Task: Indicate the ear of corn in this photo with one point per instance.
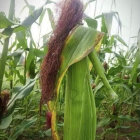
(82, 109)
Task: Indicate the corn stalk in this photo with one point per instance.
(6, 44)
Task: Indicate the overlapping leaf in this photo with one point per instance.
(4, 22)
(78, 46)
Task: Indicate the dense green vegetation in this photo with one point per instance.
(111, 71)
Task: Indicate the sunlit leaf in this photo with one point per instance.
(42, 16)
(51, 17)
(74, 51)
(91, 22)
(4, 22)
(120, 40)
(29, 20)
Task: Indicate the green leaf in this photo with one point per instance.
(120, 58)
(4, 22)
(51, 17)
(19, 28)
(32, 18)
(16, 53)
(30, 58)
(136, 63)
(80, 111)
(48, 133)
(126, 94)
(3, 36)
(127, 118)
(138, 112)
(29, 20)
(103, 26)
(91, 22)
(42, 16)
(75, 49)
(107, 19)
(103, 122)
(107, 50)
(100, 71)
(39, 53)
(21, 37)
(5, 122)
(131, 67)
(120, 40)
(114, 70)
(98, 87)
(19, 129)
(21, 93)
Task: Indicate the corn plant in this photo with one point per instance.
(9, 97)
(70, 58)
(78, 84)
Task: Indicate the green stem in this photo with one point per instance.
(3, 61)
(12, 10)
(97, 80)
(11, 79)
(5, 46)
(100, 71)
(25, 68)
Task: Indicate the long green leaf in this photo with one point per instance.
(51, 17)
(29, 20)
(91, 22)
(32, 18)
(100, 70)
(80, 111)
(120, 40)
(22, 92)
(21, 127)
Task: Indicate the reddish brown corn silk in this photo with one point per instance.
(71, 15)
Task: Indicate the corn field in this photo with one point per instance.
(76, 82)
